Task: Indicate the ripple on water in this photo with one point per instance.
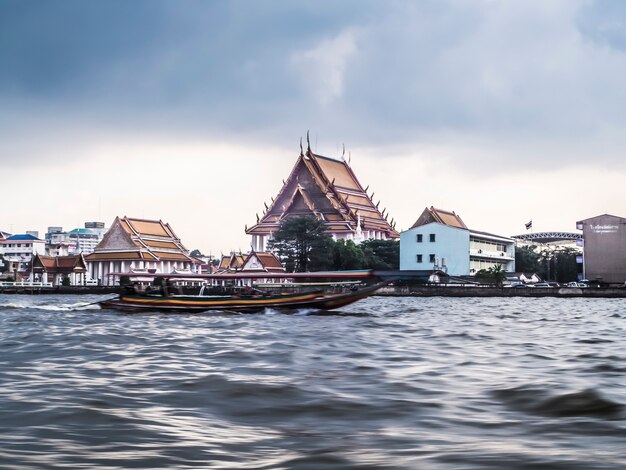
(385, 383)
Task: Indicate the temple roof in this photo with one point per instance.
(140, 239)
(59, 264)
(329, 190)
(440, 216)
(254, 261)
(232, 262)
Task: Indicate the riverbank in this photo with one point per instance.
(450, 291)
(389, 291)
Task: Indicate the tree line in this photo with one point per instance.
(550, 264)
(302, 246)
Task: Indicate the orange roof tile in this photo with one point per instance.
(440, 216)
(329, 189)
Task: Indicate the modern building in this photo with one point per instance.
(604, 248)
(3, 237)
(440, 240)
(4, 264)
(329, 190)
(78, 240)
(18, 250)
(138, 246)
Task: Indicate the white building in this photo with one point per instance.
(78, 240)
(19, 249)
(440, 239)
(138, 246)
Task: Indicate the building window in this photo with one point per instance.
(432, 258)
(419, 238)
(419, 258)
(432, 237)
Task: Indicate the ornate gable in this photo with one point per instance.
(117, 238)
(328, 189)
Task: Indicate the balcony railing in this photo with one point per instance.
(25, 284)
(501, 255)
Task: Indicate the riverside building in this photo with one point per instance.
(79, 240)
(138, 246)
(604, 248)
(18, 250)
(440, 240)
(329, 190)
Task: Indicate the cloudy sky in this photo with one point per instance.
(191, 111)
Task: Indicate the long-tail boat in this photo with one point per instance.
(253, 301)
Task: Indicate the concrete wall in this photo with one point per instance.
(605, 248)
(450, 243)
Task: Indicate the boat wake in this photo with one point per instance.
(48, 307)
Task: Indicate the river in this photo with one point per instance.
(387, 383)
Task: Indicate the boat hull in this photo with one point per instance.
(244, 304)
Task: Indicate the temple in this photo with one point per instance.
(329, 190)
(138, 245)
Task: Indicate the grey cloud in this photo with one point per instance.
(370, 73)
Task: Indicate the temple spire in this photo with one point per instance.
(308, 142)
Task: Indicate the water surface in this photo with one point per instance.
(387, 383)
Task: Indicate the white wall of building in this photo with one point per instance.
(450, 245)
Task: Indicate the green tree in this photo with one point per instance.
(562, 265)
(196, 253)
(4, 265)
(302, 245)
(381, 254)
(494, 275)
(528, 260)
(65, 281)
(347, 255)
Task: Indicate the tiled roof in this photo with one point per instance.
(59, 264)
(328, 189)
(147, 227)
(237, 262)
(23, 237)
(429, 215)
(137, 239)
